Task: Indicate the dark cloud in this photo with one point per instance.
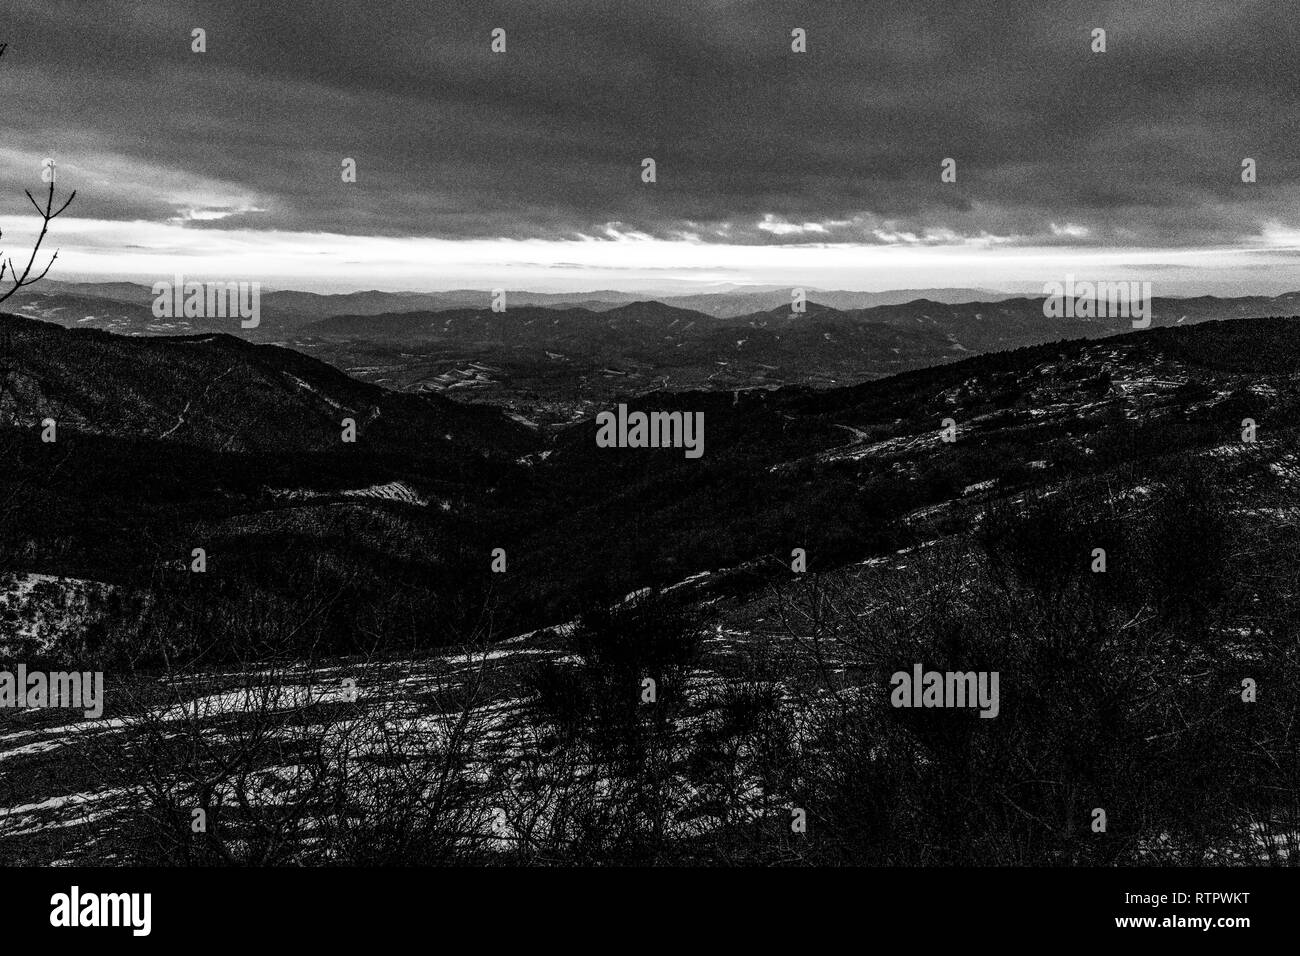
(1055, 144)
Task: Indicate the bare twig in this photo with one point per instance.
(26, 278)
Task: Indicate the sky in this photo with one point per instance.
(523, 168)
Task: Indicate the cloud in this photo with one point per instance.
(754, 144)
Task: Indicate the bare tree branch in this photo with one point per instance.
(21, 281)
(49, 212)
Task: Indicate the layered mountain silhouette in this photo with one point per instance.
(197, 502)
(163, 432)
(224, 394)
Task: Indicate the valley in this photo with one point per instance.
(349, 634)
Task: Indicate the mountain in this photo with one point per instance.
(227, 424)
(666, 343)
(196, 513)
(168, 429)
(551, 365)
(732, 301)
(221, 393)
(739, 303)
(158, 436)
(863, 470)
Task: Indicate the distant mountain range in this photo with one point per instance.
(554, 363)
(551, 357)
(127, 308)
(288, 309)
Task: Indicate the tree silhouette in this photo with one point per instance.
(7, 269)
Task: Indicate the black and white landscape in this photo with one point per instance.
(728, 433)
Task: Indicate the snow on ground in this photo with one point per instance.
(311, 389)
(389, 491)
(37, 611)
(522, 420)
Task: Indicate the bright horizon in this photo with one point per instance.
(103, 250)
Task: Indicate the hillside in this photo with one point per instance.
(551, 359)
(223, 394)
(555, 365)
(166, 444)
(523, 689)
(175, 431)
